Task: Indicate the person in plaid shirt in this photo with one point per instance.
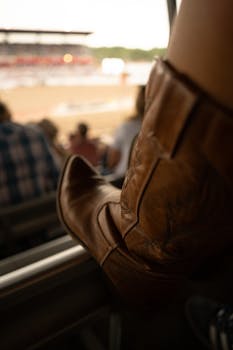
(27, 167)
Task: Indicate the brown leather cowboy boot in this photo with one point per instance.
(173, 218)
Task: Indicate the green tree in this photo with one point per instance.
(126, 54)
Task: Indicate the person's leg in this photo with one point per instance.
(201, 46)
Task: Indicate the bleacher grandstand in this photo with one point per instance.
(42, 53)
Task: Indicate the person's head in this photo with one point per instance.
(5, 113)
(49, 128)
(140, 100)
(82, 129)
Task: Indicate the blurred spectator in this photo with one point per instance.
(27, 166)
(50, 131)
(211, 322)
(81, 144)
(119, 151)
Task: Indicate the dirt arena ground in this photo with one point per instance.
(30, 104)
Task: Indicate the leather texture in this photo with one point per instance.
(169, 231)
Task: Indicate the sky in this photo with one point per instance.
(129, 23)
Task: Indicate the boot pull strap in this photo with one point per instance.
(169, 104)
